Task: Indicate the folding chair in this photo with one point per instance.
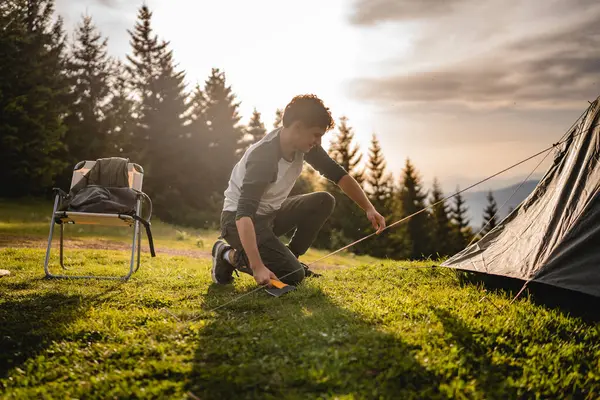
(135, 177)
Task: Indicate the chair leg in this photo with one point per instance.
(62, 232)
(139, 246)
(133, 245)
(52, 223)
(137, 228)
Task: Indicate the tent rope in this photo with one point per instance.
(437, 203)
(476, 236)
(522, 183)
(563, 140)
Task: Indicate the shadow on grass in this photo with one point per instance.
(569, 302)
(30, 324)
(301, 345)
(476, 361)
(497, 367)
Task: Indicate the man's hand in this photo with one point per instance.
(263, 275)
(350, 186)
(376, 219)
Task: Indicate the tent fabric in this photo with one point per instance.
(553, 236)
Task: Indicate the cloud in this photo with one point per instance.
(116, 4)
(369, 12)
(549, 82)
(85, 4)
(536, 58)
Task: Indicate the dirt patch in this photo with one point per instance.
(34, 242)
(94, 244)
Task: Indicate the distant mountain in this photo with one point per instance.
(477, 201)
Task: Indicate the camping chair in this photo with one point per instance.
(131, 181)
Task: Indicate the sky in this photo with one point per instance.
(463, 88)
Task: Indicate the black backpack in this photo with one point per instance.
(105, 189)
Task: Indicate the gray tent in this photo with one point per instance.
(553, 236)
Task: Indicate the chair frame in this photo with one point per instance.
(67, 217)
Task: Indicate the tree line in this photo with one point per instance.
(63, 101)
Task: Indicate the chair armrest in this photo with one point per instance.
(60, 192)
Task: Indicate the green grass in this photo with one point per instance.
(30, 219)
(375, 330)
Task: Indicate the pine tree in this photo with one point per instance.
(490, 214)
(8, 16)
(412, 199)
(162, 132)
(90, 70)
(380, 184)
(33, 90)
(278, 119)
(202, 203)
(400, 241)
(224, 134)
(380, 191)
(345, 152)
(346, 222)
(143, 69)
(441, 230)
(199, 142)
(143, 66)
(169, 133)
(462, 232)
(198, 120)
(254, 132)
(120, 111)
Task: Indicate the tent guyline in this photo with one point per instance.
(553, 146)
(507, 200)
(525, 180)
(561, 141)
(439, 202)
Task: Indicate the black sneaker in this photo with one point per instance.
(222, 271)
(308, 273)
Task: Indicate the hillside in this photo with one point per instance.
(477, 201)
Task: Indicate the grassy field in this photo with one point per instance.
(26, 223)
(366, 329)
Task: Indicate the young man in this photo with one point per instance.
(257, 209)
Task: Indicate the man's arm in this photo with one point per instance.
(352, 189)
(245, 228)
(331, 170)
(318, 158)
(261, 273)
(259, 170)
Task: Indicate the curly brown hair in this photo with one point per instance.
(310, 110)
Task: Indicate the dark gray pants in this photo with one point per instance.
(305, 214)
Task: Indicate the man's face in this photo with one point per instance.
(305, 138)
